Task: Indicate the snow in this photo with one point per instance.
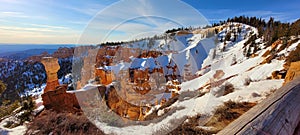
(292, 47)
(245, 93)
(116, 68)
(193, 106)
(20, 130)
(36, 91)
(143, 63)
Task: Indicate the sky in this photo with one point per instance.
(96, 21)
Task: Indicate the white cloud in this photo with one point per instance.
(87, 11)
(49, 26)
(39, 28)
(38, 34)
(32, 35)
(5, 14)
(133, 17)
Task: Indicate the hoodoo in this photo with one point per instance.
(55, 96)
(51, 67)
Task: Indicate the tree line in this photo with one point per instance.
(271, 30)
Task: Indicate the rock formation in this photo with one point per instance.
(55, 96)
(61, 101)
(293, 72)
(136, 82)
(105, 76)
(51, 67)
(122, 107)
(183, 32)
(278, 74)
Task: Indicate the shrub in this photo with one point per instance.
(228, 88)
(294, 55)
(227, 113)
(7, 108)
(62, 123)
(222, 117)
(190, 128)
(247, 81)
(228, 36)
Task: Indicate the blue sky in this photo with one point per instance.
(77, 21)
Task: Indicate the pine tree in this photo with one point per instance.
(228, 36)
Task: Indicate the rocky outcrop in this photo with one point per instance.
(278, 74)
(51, 67)
(183, 32)
(104, 77)
(61, 101)
(293, 72)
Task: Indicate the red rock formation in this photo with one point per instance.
(61, 101)
(126, 104)
(105, 77)
(55, 96)
(182, 33)
(123, 108)
(278, 74)
(51, 67)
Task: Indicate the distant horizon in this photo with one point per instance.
(11, 48)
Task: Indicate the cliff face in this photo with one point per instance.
(51, 67)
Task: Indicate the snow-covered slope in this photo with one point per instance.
(217, 63)
(189, 49)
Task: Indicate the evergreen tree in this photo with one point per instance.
(228, 36)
